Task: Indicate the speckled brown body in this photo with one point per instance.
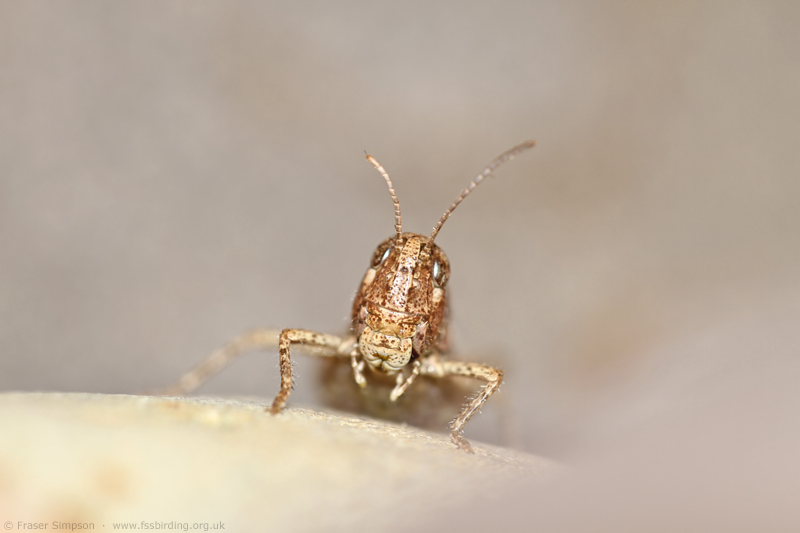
(399, 320)
(400, 298)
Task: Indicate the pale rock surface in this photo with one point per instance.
(105, 459)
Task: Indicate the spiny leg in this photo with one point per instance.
(492, 376)
(214, 363)
(340, 347)
(402, 384)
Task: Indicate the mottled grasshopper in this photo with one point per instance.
(399, 320)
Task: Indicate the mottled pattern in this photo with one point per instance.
(403, 292)
(399, 320)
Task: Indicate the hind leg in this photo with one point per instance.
(219, 359)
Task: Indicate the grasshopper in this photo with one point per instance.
(399, 321)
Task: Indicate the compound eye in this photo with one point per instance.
(440, 274)
(378, 258)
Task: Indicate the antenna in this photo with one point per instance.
(397, 225)
(499, 160)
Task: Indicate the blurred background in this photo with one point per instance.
(175, 173)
